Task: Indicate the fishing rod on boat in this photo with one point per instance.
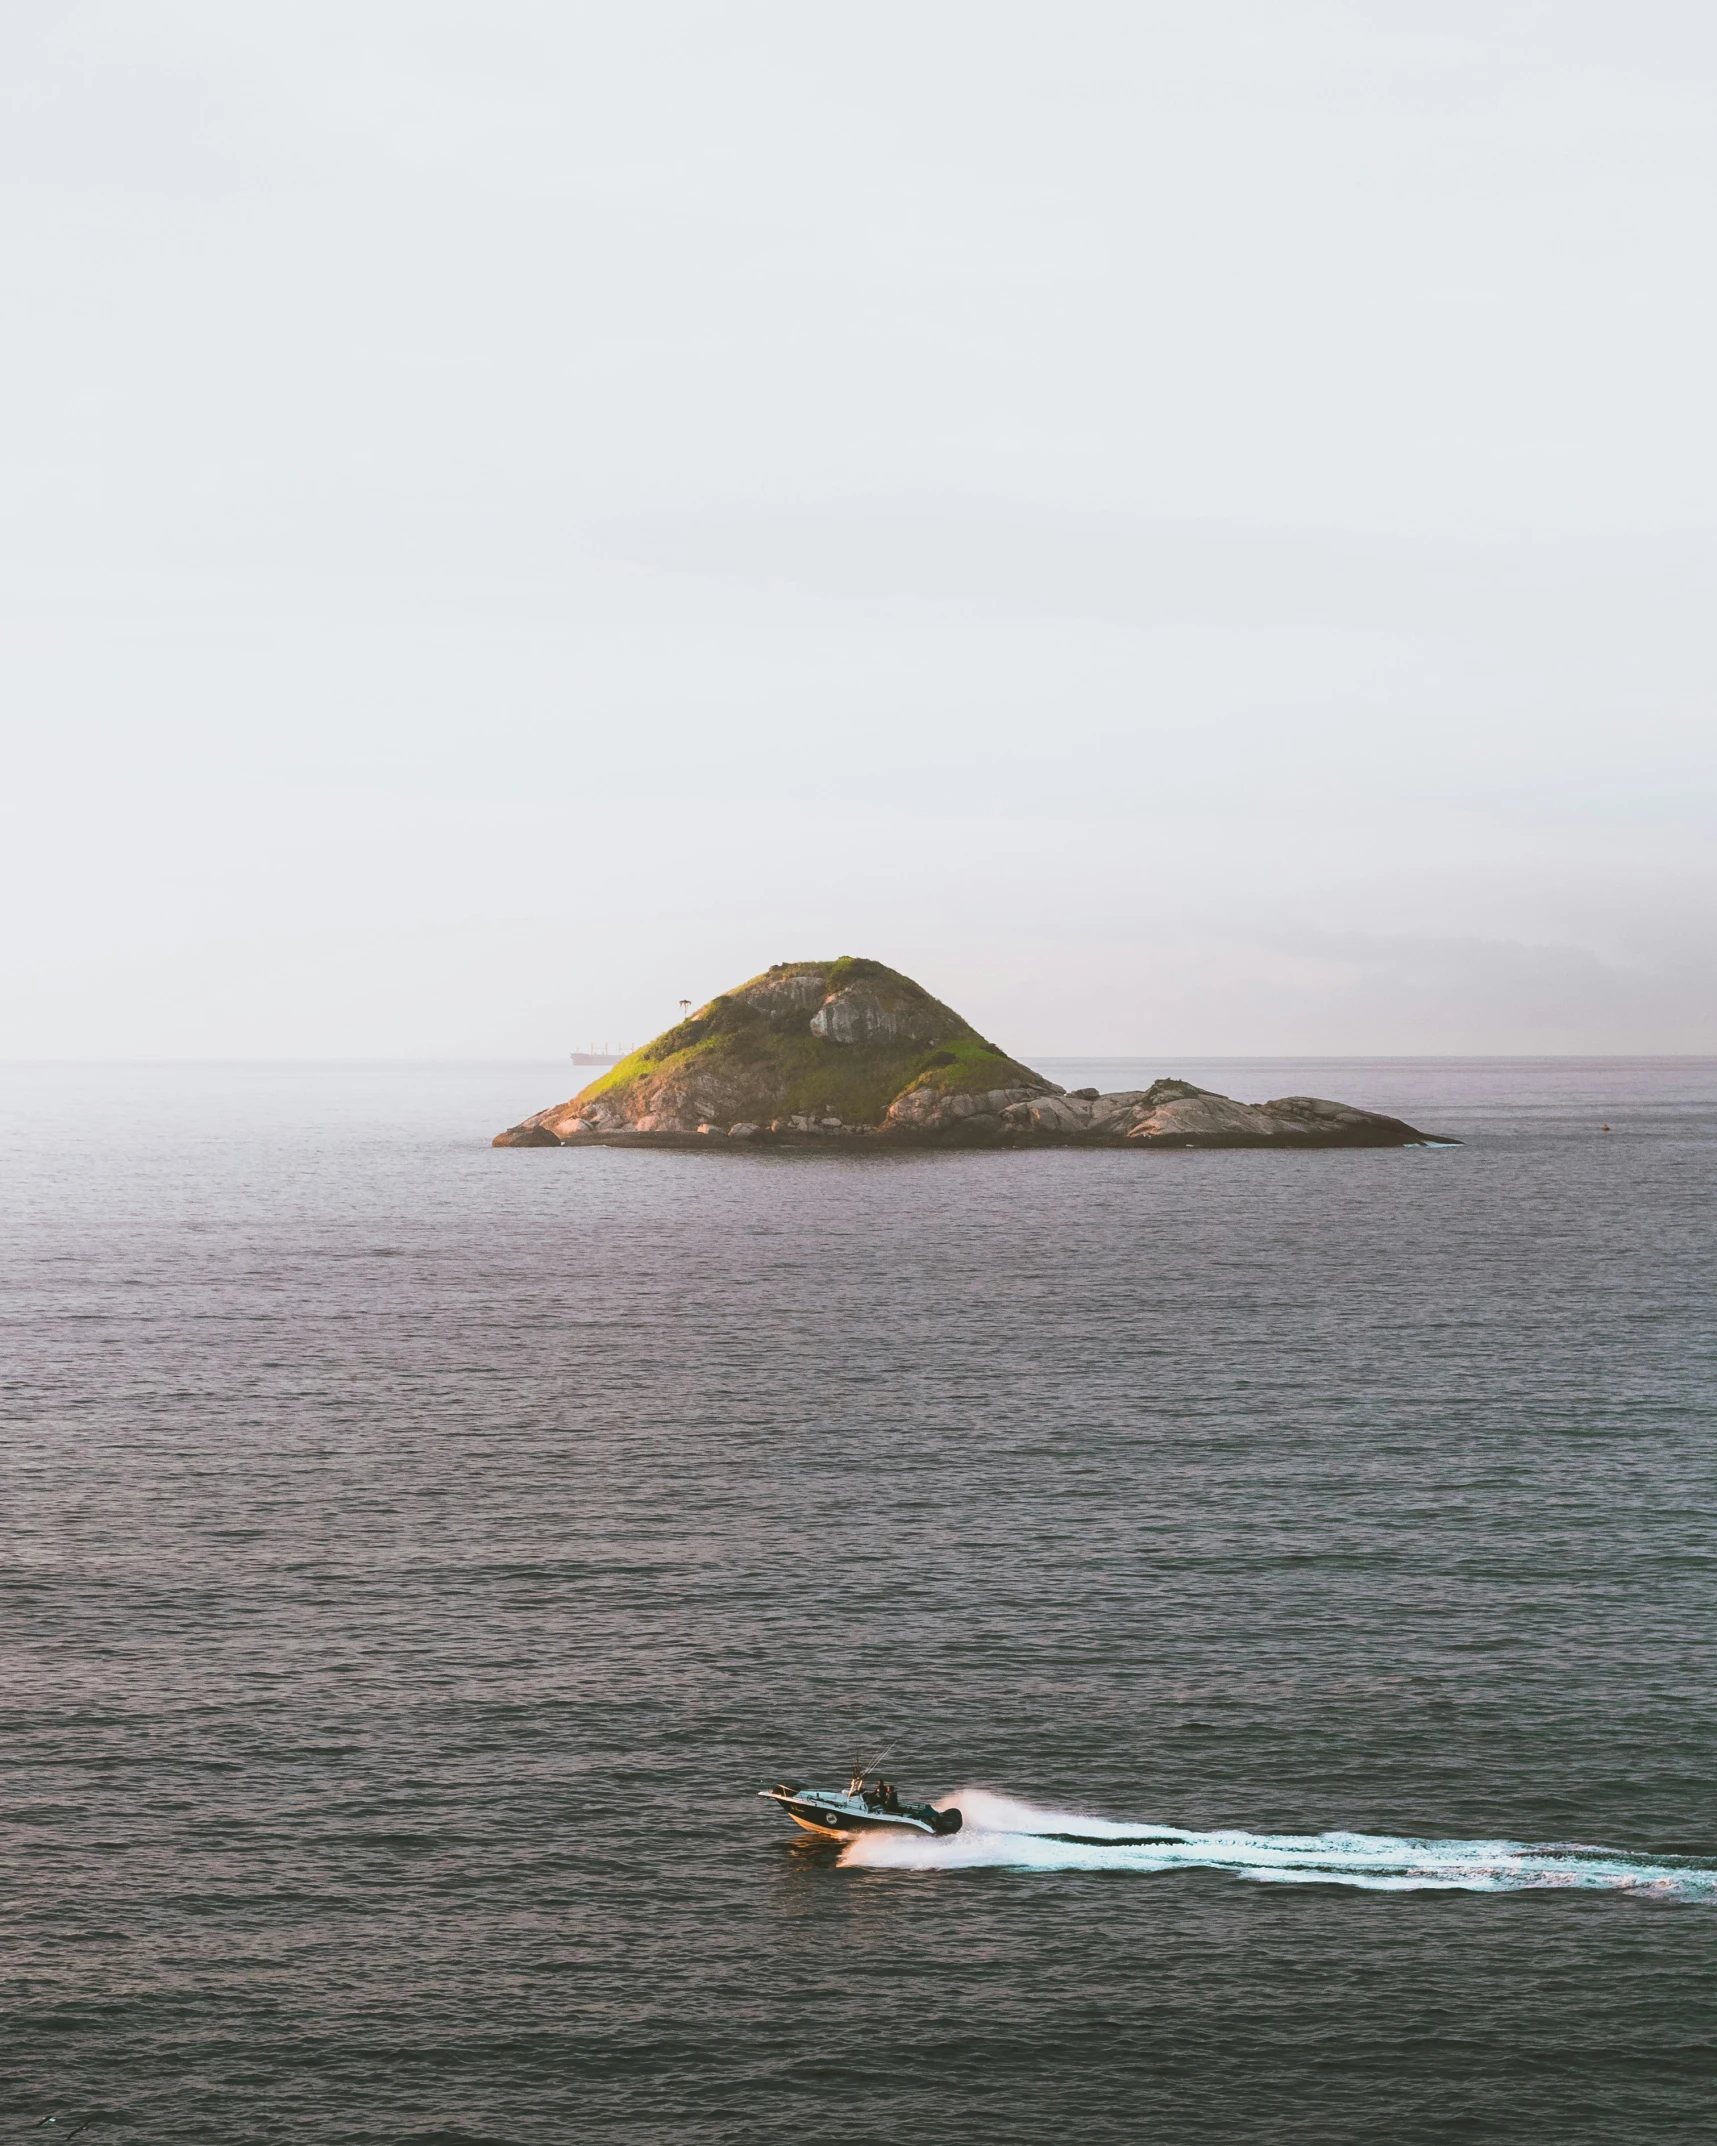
(863, 1767)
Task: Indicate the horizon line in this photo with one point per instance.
(1057, 1057)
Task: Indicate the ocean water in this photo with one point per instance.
(416, 1555)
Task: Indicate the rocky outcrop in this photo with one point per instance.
(1173, 1113)
(927, 1110)
(853, 1053)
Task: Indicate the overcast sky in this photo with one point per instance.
(1186, 528)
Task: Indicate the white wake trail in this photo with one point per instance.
(1001, 1832)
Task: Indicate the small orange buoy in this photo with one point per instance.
(1603, 1128)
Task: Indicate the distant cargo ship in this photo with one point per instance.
(597, 1058)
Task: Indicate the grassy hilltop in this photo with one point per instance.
(819, 1041)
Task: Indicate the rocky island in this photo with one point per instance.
(850, 1053)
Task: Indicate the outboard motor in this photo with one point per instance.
(947, 1821)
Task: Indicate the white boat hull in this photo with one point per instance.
(834, 1814)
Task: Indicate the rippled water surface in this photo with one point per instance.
(416, 1554)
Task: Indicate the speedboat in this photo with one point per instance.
(839, 1814)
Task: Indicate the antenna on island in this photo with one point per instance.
(685, 1007)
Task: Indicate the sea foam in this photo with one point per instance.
(1002, 1832)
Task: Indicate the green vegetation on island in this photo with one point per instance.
(757, 1045)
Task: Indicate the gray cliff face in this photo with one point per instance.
(862, 1015)
(797, 994)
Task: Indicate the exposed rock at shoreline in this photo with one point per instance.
(850, 1053)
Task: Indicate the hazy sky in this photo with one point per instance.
(1184, 527)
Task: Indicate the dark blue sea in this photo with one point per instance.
(417, 1555)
